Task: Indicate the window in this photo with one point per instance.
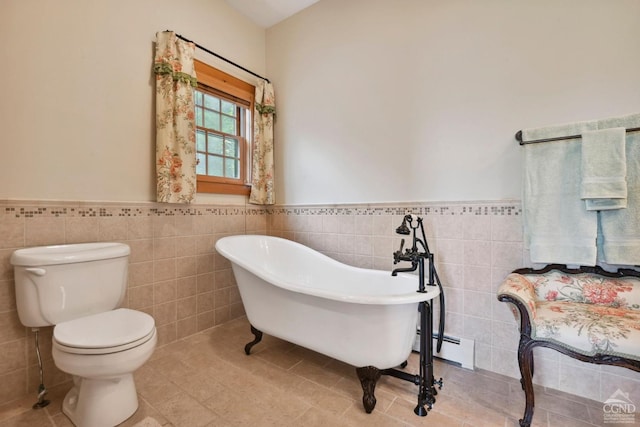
(223, 131)
(221, 135)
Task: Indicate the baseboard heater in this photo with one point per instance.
(456, 350)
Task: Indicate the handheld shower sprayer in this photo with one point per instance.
(403, 229)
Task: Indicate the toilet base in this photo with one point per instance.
(101, 402)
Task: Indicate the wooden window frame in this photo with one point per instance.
(225, 83)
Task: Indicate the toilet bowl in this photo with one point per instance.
(78, 289)
(101, 352)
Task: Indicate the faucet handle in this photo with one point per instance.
(397, 254)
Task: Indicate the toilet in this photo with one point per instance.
(77, 289)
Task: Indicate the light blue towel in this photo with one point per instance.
(604, 169)
(557, 131)
(621, 228)
(558, 228)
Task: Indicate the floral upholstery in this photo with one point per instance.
(585, 312)
(617, 292)
(522, 289)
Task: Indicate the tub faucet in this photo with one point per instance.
(417, 258)
(412, 255)
(409, 255)
(419, 254)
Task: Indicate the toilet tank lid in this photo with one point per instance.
(67, 254)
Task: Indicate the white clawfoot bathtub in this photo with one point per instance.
(358, 316)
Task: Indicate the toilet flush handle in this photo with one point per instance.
(36, 271)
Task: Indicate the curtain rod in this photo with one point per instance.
(222, 57)
(559, 138)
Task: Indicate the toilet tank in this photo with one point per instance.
(58, 283)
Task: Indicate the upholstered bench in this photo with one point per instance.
(588, 314)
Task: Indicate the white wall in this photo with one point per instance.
(419, 100)
(77, 104)
(378, 100)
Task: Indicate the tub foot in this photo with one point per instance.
(368, 377)
(258, 335)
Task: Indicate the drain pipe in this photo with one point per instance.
(42, 402)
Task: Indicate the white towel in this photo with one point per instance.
(621, 228)
(558, 228)
(604, 170)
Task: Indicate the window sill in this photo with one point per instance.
(222, 188)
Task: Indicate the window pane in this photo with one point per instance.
(215, 144)
(232, 168)
(215, 166)
(211, 102)
(211, 120)
(228, 108)
(231, 148)
(229, 125)
(201, 141)
(223, 133)
(201, 167)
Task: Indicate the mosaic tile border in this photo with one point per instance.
(54, 211)
(110, 209)
(511, 208)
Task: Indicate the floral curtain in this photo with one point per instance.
(175, 121)
(262, 170)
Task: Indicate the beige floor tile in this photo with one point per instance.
(468, 410)
(356, 416)
(183, 410)
(144, 410)
(285, 404)
(201, 361)
(172, 367)
(311, 356)
(17, 407)
(562, 421)
(350, 387)
(314, 372)
(207, 380)
(200, 386)
(563, 407)
(340, 368)
(28, 419)
(539, 420)
(277, 379)
(322, 397)
(237, 409)
(276, 356)
(61, 420)
(154, 387)
(315, 417)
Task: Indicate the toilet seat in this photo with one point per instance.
(103, 333)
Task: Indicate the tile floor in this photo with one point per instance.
(207, 380)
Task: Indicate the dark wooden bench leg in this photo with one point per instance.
(532, 371)
(525, 360)
(368, 377)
